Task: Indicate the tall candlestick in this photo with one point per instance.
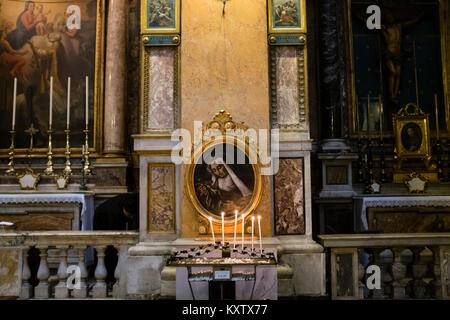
(68, 101)
(212, 230)
(87, 101)
(437, 116)
(243, 232)
(260, 239)
(380, 111)
(14, 104)
(235, 227)
(368, 115)
(357, 119)
(223, 231)
(253, 223)
(50, 117)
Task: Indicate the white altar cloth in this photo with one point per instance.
(86, 199)
(403, 201)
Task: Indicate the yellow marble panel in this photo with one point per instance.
(224, 65)
(9, 273)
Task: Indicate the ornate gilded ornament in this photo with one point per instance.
(28, 180)
(416, 183)
(412, 135)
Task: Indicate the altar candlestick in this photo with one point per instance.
(437, 116)
(87, 101)
(14, 104)
(368, 116)
(357, 120)
(260, 239)
(253, 223)
(235, 227)
(212, 230)
(68, 101)
(50, 117)
(380, 104)
(223, 231)
(243, 232)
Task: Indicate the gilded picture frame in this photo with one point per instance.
(412, 133)
(193, 186)
(93, 15)
(287, 16)
(160, 16)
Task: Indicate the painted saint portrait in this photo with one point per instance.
(286, 13)
(411, 137)
(38, 41)
(224, 184)
(161, 14)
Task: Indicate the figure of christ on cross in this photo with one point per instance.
(392, 31)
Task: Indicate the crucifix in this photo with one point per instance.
(224, 4)
(31, 131)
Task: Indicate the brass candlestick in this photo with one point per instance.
(11, 170)
(49, 170)
(67, 169)
(87, 169)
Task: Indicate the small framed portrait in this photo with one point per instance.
(160, 16)
(222, 179)
(412, 133)
(287, 16)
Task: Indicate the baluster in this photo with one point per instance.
(42, 290)
(437, 281)
(80, 291)
(26, 291)
(361, 273)
(399, 273)
(61, 290)
(99, 290)
(377, 260)
(117, 274)
(419, 269)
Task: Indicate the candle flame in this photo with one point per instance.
(210, 219)
(223, 213)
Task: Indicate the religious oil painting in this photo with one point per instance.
(286, 16)
(44, 43)
(222, 179)
(160, 16)
(411, 137)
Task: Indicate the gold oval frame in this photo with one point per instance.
(257, 188)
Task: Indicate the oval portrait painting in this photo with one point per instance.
(223, 180)
(411, 137)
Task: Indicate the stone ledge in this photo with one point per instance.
(382, 240)
(53, 238)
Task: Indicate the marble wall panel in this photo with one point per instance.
(287, 86)
(9, 273)
(161, 88)
(289, 198)
(161, 206)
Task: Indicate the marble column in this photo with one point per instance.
(115, 76)
(332, 75)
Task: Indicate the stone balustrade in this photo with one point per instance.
(412, 266)
(68, 251)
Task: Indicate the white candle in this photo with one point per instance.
(14, 104)
(260, 240)
(223, 231)
(243, 232)
(235, 227)
(51, 102)
(68, 101)
(212, 230)
(87, 100)
(253, 223)
(82, 149)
